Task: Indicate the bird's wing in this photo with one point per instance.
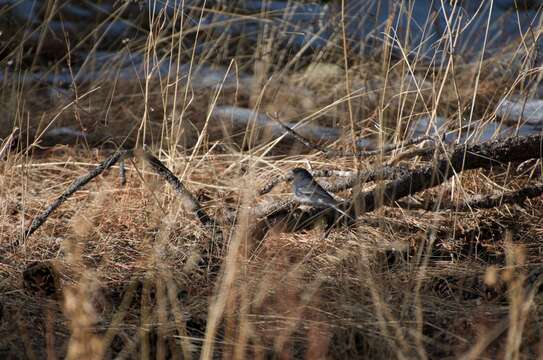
(326, 194)
(318, 194)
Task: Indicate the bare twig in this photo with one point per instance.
(328, 152)
(300, 138)
(425, 151)
(76, 185)
(190, 203)
(391, 147)
(489, 201)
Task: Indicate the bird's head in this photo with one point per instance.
(300, 174)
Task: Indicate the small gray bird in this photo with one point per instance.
(308, 192)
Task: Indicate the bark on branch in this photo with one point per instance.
(190, 203)
(76, 185)
(349, 178)
(498, 152)
(479, 201)
(462, 158)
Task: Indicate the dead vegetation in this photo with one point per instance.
(447, 268)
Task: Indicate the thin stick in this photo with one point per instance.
(385, 149)
(300, 138)
(76, 185)
(391, 147)
(190, 203)
(486, 155)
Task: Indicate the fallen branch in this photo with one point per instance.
(349, 179)
(190, 203)
(381, 173)
(76, 185)
(482, 201)
(462, 158)
(275, 207)
(512, 197)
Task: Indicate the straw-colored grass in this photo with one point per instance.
(399, 283)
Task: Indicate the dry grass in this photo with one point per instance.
(398, 283)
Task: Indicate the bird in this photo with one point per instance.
(308, 192)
